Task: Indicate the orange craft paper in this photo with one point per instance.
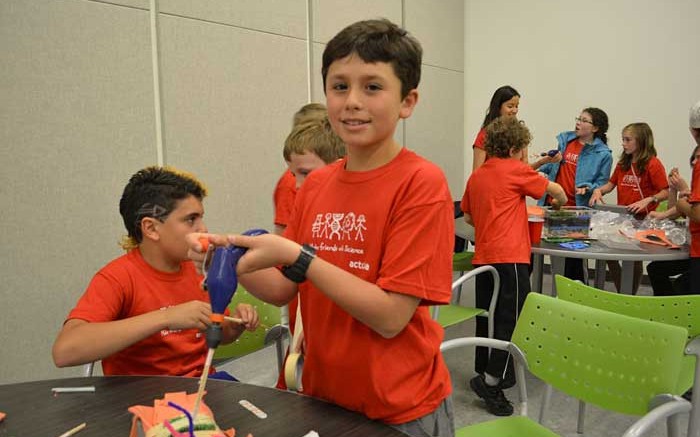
(161, 411)
(2, 416)
(642, 236)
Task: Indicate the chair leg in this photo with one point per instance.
(546, 397)
(673, 426)
(581, 417)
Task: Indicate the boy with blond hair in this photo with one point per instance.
(144, 312)
(286, 188)
(369, 247)
(310, 146)
(494, 203)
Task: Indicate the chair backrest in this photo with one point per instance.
(250, 342)
(614, 361)
(683, 311)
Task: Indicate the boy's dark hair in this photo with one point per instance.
(378, 41)
(645, 146)
(506, 133)
(315, 136)
(600, 120)
(154, 192)
(500, 96)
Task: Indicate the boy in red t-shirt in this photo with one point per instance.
(494, 203)
(143, 313)
(369, 247)
(286, 188)
(688, 204)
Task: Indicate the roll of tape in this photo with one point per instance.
(293, 369)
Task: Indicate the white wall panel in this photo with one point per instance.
(228, 96)
(286, 17)
(76, 121)
(331, 16)
(435, 129)
(439, 26)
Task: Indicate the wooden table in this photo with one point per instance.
(32, 409)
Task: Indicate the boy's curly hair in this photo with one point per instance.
(154, 192)
(506, 133)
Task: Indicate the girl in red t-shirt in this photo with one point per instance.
(505, 101)
(641, 183)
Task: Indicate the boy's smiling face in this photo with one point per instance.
(364, 102)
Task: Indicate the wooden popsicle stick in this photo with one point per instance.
(241, 322)
(73, 431)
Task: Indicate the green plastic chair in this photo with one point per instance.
(619, 363)
(269, 331)
(452, 314)
(683, 311)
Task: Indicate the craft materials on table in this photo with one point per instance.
(86, 389)
(260, 414)
(74, 431)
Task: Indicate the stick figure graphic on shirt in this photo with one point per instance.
(360, 226)
(335, 225)
(316, 226)
(348, 225)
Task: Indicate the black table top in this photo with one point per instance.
(32, 409)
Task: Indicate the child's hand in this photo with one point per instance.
(555, 204)
(196, 251)
(639, 206)
(656, 215)
(248, 314)
(677, 182)
(554, 158)
(264, 251)
(189, 315)
(596, 197)
(581, 190)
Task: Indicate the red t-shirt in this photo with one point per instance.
(127, 287)
(566, 177)
(392, 226)
(651, 182)
(695, 226)
(495, 199)
(285, 191)
(480, 139)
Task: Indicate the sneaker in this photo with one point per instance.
(496, 402)
(688, 396)
(508, 382)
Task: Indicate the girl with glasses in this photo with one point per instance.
(582, 165)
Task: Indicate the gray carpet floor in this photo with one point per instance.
(260, 368)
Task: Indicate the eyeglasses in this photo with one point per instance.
(583, 120)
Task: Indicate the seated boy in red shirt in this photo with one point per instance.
(369, 246)
(144, 312)
(494, 203)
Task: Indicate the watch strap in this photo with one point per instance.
(296, 272)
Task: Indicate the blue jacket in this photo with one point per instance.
(592, 168)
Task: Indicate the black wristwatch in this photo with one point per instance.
(297, 272)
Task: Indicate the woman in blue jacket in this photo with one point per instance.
(582, 165)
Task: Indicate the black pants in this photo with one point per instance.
(688, 282)
(515, 285)
(573, 269)
(660, 273)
